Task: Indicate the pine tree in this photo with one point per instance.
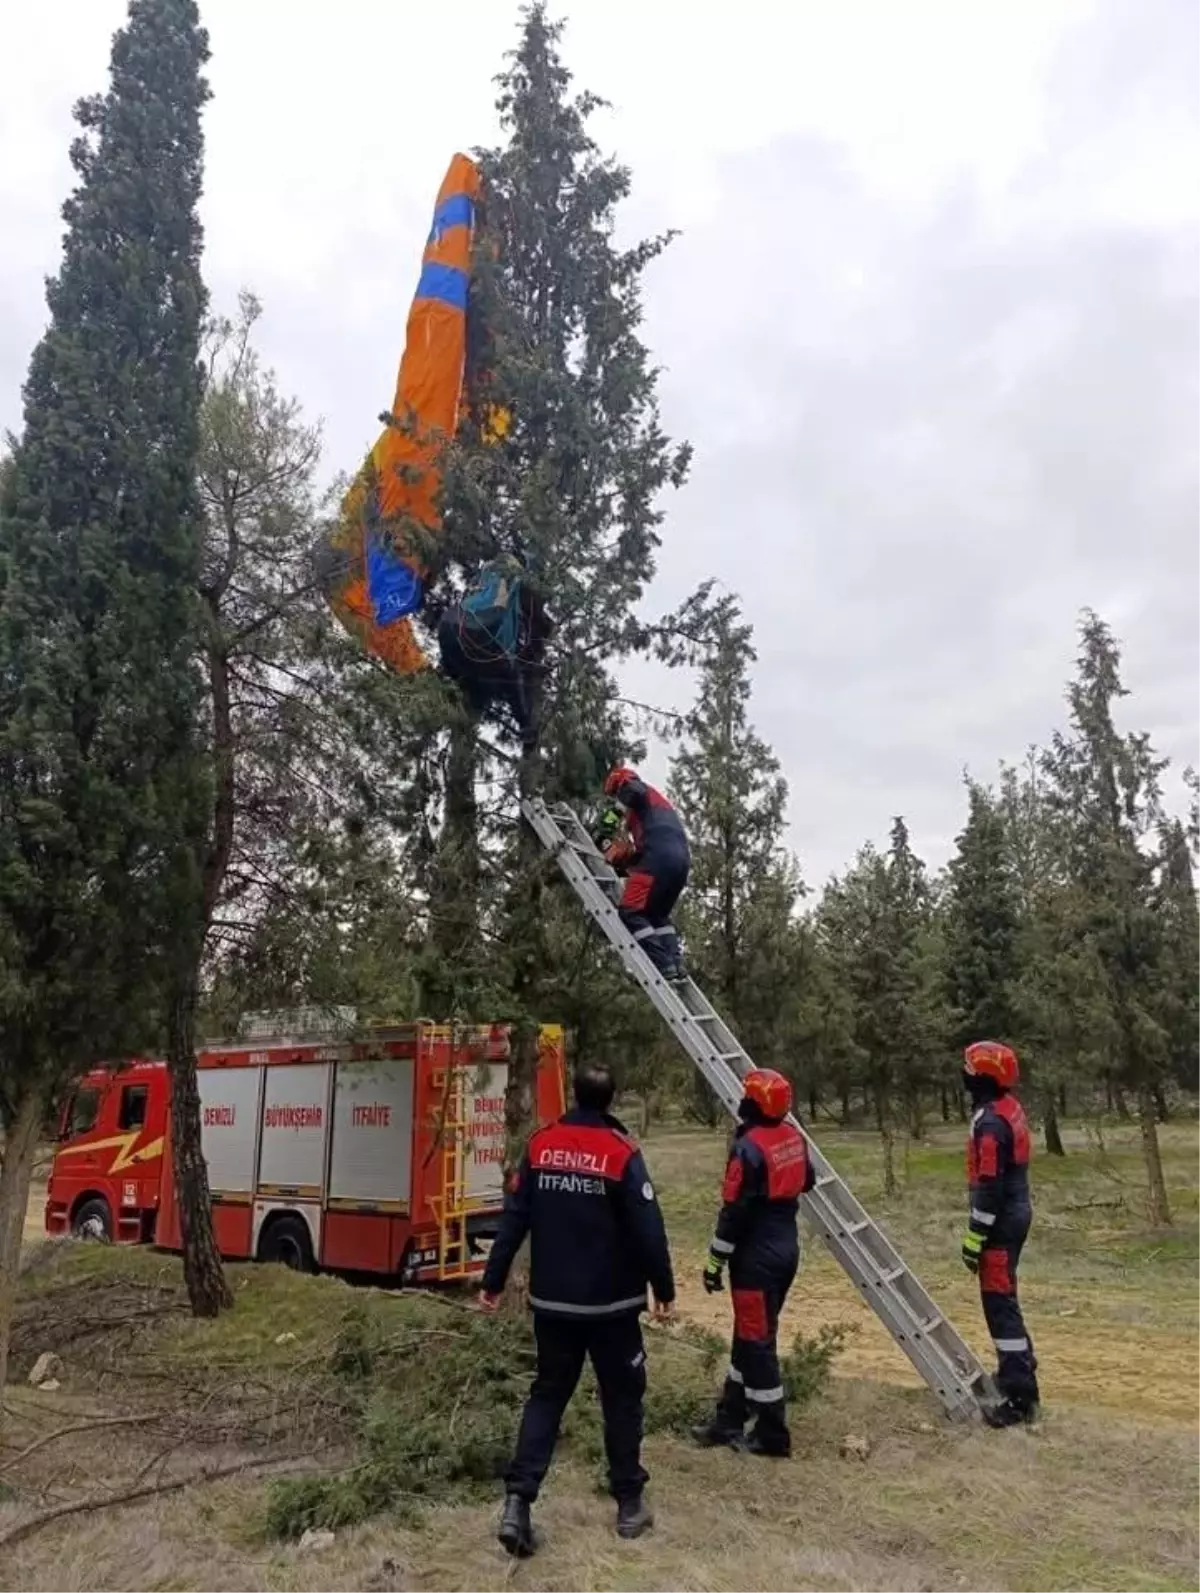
(575, 484)
(738, 915)
(875, 927)
(982, 925)
(99, 543)
(1104, 787)
(1177, 998)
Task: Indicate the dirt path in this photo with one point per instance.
(1083, 1360)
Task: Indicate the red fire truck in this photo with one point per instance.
(380, 1153)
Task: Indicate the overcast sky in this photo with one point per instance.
(931, 324)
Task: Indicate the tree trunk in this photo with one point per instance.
(208, 1288)
(454, 905)
(1062, 1100)
(1122, 1104)
(706, 1108)
(1159, 1208)
(20, 1146)
(1054, 1144)
(962, 1105)
(883, 1121)
(844, 1105)
(944, 1098)
(814, 1100)
(916, 1115)
(528, 946)
(1160, 1103)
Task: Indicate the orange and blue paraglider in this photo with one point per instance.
(377, 561)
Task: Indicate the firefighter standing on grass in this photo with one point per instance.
(757, 1234)
(1000, 1216)
(596, 1239)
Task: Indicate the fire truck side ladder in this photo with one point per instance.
(859, 1245)
(450, 1203)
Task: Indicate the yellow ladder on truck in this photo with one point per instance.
(451, 1202)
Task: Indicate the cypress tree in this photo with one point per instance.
(100, 784)
(739, 912)
(982, 925)
(575, 484)
(1105, 794)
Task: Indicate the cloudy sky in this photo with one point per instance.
(931, 323)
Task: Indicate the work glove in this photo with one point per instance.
(714, 1277)
(972, 1249)
(608, 826)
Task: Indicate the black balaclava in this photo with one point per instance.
(751, 1115)
(981, 1088)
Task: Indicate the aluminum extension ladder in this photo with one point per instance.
(864, 1251)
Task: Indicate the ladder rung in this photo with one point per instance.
(934, 1322)
(857, 1227)
(890, 1277)
(825, 1180)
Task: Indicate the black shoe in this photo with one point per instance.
(516, 1529)
(1008, 1414)
(774, 1448)
(712, 1435)
(675, 972)
(633, 1517)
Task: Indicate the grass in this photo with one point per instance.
(399, 1407)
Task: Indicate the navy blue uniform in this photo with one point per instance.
(1001, 1212)
(757, 1234)
(657, 870)
(596, 1239)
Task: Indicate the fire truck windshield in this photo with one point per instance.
(84, 1109)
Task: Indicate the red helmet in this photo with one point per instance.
(616, 778)
(769, 1091)
(988, 1059)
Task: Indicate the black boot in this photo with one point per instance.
(1008, 1414)
(716, 1433)
(633, 1517)
(516, 1529)
(774, 1445)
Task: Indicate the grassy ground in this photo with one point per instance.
(323, 1379)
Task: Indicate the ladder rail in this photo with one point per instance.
(939, 1354)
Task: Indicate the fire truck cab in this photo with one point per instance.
(379, 1153)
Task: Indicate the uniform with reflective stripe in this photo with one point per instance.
(596, 1238)
(1000, 1212)
(757, 1234)
(655, 863)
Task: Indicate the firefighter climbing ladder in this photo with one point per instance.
(861, 1247)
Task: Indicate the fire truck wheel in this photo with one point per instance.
(93, 1220)
(287, 1240)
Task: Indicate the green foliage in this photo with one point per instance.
(808, 1364)
(739, 916)
(438, 1408)
(982, 924)
(101, 785)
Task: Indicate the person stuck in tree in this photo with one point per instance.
(493, 642)
(757, 1234)
(1001, 1212)
(655, 861)
(596, 1239)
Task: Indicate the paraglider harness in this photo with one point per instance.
(492, 641)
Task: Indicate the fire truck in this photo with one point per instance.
(378, 1153)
